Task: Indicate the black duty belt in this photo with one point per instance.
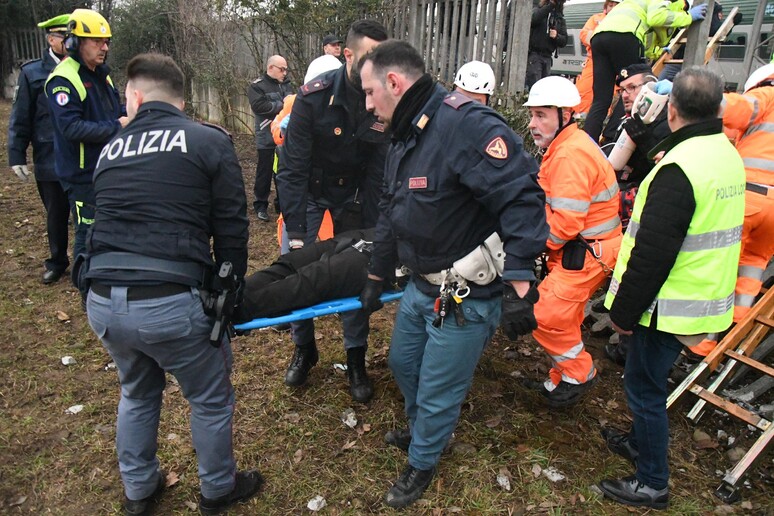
(759, 189)
(141, 292)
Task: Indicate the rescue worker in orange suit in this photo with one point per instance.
(585, 235)
(585, 81)
(752, 115)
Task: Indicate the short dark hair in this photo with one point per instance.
(397, 56)
(697, 94)
(159, 69)
(365, 29)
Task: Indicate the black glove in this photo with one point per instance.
(635, 128)
(518, 316)
(369, 297)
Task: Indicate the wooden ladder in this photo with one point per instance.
(679, 40)
(736, 348)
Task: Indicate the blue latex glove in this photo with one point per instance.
(663, 87)
(284, 123)
(698, 12)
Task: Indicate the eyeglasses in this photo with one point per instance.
(632, 88)
(99, 41)
(282, 69)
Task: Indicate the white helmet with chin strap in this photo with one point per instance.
(476, 77)
(759, 76)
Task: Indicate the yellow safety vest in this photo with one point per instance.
(640, 17)
(698, 295)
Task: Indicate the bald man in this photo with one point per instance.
(266, 94)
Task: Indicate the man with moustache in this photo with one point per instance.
(582, 212)
(333, 160)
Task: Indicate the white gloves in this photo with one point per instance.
(22, 171)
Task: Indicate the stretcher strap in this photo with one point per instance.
(325, 308)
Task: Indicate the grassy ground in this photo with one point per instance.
(54, 462)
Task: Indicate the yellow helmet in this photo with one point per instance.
(86, 23)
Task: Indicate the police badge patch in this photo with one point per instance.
(62, 98)
(497, 148)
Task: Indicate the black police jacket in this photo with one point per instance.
(330, 154)
(164, 186)
(31, 121)
(266, 95)
(461, 175)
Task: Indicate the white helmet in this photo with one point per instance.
(758, 76)
(553, 91)
(476, 77)
(321, 65)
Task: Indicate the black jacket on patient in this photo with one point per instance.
(329, 269)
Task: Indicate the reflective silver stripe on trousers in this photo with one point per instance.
(695, 308)
(750, 271)
(744, 300)
(763, 164)
(565, 203)
(601, 229)
(701, 241)
(570, 354)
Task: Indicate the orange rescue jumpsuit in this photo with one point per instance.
(752, 115)
(585, 81)
(581, 199)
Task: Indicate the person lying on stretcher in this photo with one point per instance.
(329, 269)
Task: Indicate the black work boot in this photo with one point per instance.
(247, 484)
(145, 506)
(617, 352)
(400, 438)
(565, 394)
(409, 486)
(618, 443)
(304, 358)
(359, 385)
(631, 491)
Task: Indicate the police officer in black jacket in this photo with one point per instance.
(266, 94)
(164, 187)
(548, 32)
(333, 159)
(31, 123)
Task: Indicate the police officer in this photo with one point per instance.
(86, 111)
(675, 276)
(165, 186)
(266, 94)
(447, 191)
(31, 123)
(333, 160)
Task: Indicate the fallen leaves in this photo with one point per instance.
(62, 316)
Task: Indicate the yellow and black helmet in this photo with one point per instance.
(86, 23)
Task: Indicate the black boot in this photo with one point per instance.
(304, 358)
(409, 487)
(359, 385)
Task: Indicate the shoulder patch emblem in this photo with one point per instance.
(337, 131)
(311, 87)
(62, 98)
(497, 148)
(378, 126)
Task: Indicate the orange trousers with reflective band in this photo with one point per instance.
(757, 250)
(560, 310)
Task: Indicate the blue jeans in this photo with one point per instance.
(355, 323)
(434, 367)
(146, 339)
(83, 206)
(650, 357)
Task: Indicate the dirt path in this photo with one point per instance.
(54, 462)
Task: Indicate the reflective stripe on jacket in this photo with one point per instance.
(581, 190)
(698, 295)
(752, 115)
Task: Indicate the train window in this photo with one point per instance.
(764, 51)
(732, 49)
(569, 48)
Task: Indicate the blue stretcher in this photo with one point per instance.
(325, 308)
